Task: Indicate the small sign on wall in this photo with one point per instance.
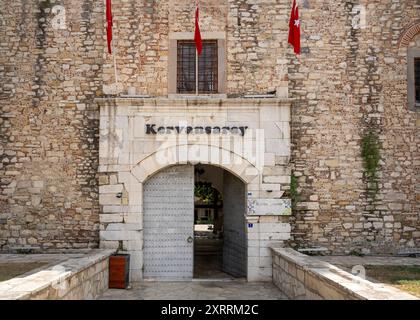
(271, 207)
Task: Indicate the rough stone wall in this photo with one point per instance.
(140, 46)
(49, 124)
(257, 45)
(256, 35)
(354, 81)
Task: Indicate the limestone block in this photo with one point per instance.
(270, 187)
(140, 173)
(132, 245)
(265, 252)
(270, 113)
(275, 227)
(284, 114)
(119, 235)
(114, 209)
(279, 147)
(272, 129)
(124, 158)
(253, 187)
(111, 218)
(300, 274)
(135, 209)
(137, 125)
(109, 244)
(135, 198)
(133, 218)
(111, 189)
(258, 261)
(121, 122)
(133, 185)
(269, 159)
(124, 227)
(268, 219)
(282, 179)
(109, 199)
(271, 194)
(269, 236)
(253, 252)
(261, 243)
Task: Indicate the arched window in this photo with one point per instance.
(411, 40)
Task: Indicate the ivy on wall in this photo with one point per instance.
(294, 193)
(371, 157)
(45, 4)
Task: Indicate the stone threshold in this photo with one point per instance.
(304, 277)
(59, 280)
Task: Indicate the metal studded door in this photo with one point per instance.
(235, 243)
(168, 203)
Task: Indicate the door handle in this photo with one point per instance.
(190, 239)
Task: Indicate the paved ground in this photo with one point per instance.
(197, 290)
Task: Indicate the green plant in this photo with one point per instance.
(206, 192)
(45, 4)
(371, 157)
(205, 221)
(356, 252)
(294, 185)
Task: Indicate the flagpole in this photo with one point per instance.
(196, 60)
(196, 72)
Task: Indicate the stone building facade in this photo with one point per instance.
(364, 90)
(348, 94)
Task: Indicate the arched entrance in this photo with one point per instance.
(188, 231)
(130, 155)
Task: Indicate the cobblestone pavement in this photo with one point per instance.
(350, 261)
(197, 290)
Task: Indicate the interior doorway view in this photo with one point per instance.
(194, 224)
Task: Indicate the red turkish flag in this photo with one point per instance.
(109, 25)
(294, 28)
(197, 34)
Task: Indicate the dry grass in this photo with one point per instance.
(406, 278)
(11, 270)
